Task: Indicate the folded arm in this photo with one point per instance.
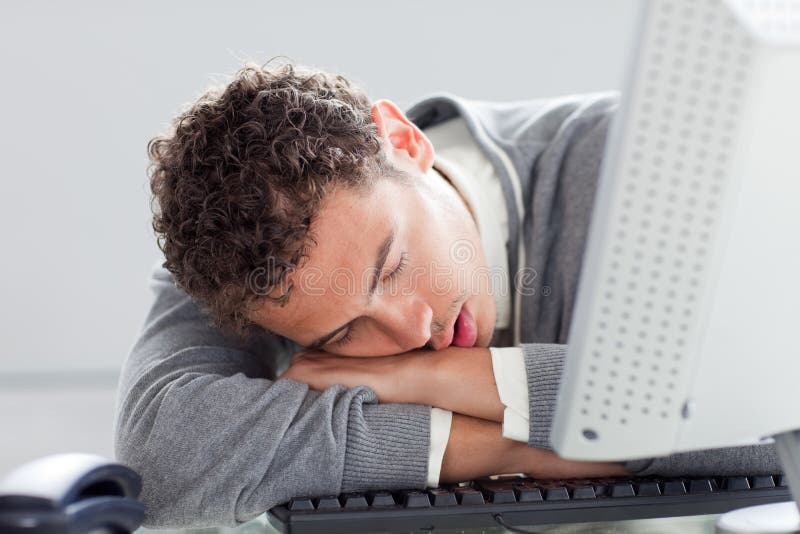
(217, 441)
(462, 380)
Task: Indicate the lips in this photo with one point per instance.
(465, 330)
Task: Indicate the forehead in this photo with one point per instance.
(333, 282)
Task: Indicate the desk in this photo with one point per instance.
(667, 525)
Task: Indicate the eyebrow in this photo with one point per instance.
(380, 262)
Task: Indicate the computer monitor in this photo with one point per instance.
(684, 331)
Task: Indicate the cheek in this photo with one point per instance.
(444, 244)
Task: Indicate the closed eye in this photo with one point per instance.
(348, 335)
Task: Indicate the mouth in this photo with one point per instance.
(465, 331)
(462, 331)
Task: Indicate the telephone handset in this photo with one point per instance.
(72, 493)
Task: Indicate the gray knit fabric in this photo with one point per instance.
(218, 440)
(544, 363)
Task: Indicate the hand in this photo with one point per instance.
(390, 377)
(477, 448)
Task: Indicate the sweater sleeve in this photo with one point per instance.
(218, 441)
(544, 364)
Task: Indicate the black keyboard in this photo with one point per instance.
(525, 501)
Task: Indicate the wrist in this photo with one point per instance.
(458, 379)
(419, 377)
(434, 374)
(404, 377)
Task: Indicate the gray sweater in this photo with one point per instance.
(218, 440)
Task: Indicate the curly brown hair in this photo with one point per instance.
(241, 175)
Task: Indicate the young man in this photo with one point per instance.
(358, 262)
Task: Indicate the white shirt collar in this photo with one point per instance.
(460, 160)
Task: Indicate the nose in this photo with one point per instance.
(407, 319)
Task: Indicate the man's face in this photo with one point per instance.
(425, 230)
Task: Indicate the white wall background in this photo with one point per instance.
(86, 84)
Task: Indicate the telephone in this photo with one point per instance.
(71, 493)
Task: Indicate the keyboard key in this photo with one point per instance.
(674, 487)
(554, 492)
(380, 498)
(702, 485)
(468, 496)
(328, 502)
(415, 499)
(442, 497)
(763, 481)
(648, 489)
(353, 500)
(527, 493)
(298, 504)
(500, 495)
(623, 489)
(584, 492)
(602, 490)
(736, 484)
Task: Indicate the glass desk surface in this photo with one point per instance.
(666, 525)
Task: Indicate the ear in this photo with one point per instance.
(405, 144)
